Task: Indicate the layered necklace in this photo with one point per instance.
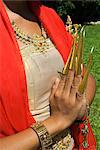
(39, 43)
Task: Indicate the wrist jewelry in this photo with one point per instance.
(43, 135)
(85, 130)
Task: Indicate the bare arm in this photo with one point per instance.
(90, 89)
(28, 139)
(90, 93)
(25, 140)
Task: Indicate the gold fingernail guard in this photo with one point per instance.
(75, 60)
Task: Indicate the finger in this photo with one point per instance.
(61, 85)
(69, 81)
(75, 85)
(55, 85)
(74, 88)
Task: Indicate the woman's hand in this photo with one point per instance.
(66, 103)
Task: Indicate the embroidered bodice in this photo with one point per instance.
(41, 72)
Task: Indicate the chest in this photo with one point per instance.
(41, 72)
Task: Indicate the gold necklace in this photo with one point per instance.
(39, 42)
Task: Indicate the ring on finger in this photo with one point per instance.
(79, 94)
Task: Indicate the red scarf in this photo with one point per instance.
(14, 109)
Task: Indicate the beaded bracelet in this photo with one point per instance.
(85, 129)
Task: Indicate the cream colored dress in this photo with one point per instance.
(41, 72)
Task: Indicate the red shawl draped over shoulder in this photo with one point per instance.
(14, 109)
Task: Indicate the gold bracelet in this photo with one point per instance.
(43, 135)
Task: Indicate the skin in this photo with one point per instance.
(66, 105)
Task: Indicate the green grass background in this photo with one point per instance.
(93, 39)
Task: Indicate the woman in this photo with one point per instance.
(22, 105)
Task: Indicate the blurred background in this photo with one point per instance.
(81, 11)
(86, 12)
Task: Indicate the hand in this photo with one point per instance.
(65, 102)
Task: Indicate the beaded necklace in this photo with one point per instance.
(39, 43)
